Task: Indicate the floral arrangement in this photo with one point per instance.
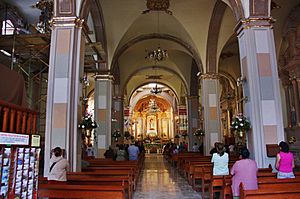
(199, 133)
(87, 123)
(127, 135)
(116, 134)
(184, 135)
(240, 123)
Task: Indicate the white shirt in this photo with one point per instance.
(195, 148)
(90, 151)
(59, 170)
(220, 164)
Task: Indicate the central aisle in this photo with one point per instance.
(159, 180)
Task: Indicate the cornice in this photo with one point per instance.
(209, 76)
(67, 21)
(254, 22)
(104, 77)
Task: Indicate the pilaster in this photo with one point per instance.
(103, 111)
(63, 104)
(259, 68)
(211, 104)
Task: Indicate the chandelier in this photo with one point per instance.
(155, 90)
(153, 107)
(157, 55)
(46, 7)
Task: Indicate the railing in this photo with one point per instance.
(16, 119)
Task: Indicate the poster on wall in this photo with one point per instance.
(13, 139)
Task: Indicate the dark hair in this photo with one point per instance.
(57, 151)
(220, 148)
(284, 147)
(245, 153)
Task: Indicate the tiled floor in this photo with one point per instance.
(161, 181)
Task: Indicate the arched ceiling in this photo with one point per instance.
(186, 32)
(143, 103)
(156, 75)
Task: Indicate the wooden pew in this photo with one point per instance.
(81, 191)
(111, 181)
(262, 178)
(289, 189)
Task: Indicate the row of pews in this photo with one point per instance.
(103, 178)
(197, 170)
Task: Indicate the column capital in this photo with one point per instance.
(67, 21)
(189, 97)
(252, 22)
(118, 97)
(106, 77)
(210, 76)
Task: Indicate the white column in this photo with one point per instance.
(211, 103)
(259, 67)
(103, 106)
(63, 104)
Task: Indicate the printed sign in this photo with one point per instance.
(13, 139)
(35, 140)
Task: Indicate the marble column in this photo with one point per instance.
(103, 113)
(259, 67)
(296, 100)
(193, 119)
(63, 101)
(211, 104)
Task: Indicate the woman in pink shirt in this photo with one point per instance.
(244, 171)
(285, 162)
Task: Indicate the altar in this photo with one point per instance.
(153, 148)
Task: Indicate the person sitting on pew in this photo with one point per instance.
(121, 153)
(220, 160)
(58, 167)
(285, 162)
(109, 154)
(133, 151)
(195, 147)
(244, 171)
(214, 150)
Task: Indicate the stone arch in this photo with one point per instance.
(236, 7)
(94, 7)
(213, 36)
(145, 93)
(159, 67)
(168, 37)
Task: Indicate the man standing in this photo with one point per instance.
(133, 151)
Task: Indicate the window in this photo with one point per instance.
(7, 27)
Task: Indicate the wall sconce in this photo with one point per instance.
(241, 81)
